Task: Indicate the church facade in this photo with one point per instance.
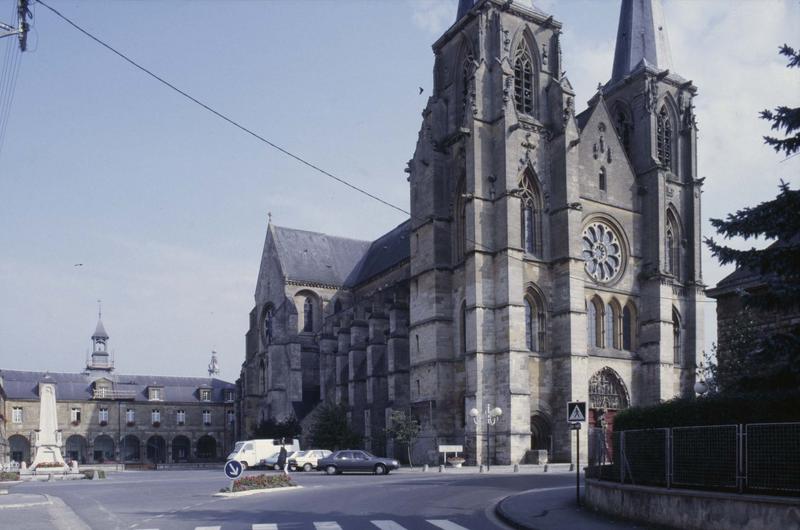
(549, 256)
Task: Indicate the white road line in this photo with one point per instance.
(207, 527)
(265, 526)
(326, 525)
(388, 525)
(444, 524)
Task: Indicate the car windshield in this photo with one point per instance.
(299, 454)
(237, 446)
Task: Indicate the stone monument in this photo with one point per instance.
(48, 437)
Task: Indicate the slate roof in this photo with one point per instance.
(746, 277)
(386, 252)
(78, 386)
(316, 258)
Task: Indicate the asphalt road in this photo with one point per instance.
(183, 500)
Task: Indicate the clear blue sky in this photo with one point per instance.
(166, 206)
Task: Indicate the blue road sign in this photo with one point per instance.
(233, 469)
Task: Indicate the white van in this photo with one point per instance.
(251, 453)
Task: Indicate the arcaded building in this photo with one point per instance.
(549, 257)
(106, 417)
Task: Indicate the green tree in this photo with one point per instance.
(331, 429)
(270, 428)
(404, 428)
(767, 362)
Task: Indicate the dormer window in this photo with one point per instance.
(155, 393)
(205, 394)
(229, 395)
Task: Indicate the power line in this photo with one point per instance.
(265, 140)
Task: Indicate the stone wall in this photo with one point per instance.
(692, 510)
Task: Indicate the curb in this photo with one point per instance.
(26, 504)
(506, 518)
(233, 494)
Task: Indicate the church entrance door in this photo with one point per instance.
(607, 395)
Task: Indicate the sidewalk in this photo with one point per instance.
(21, 500)
(494, 470)
(556, 509)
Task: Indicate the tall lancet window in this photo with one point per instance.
(308, 314)
(535, 323)
(664, 137)
(677, 350)
(624, 130)
(531, 221)
(671, 261)
(466, 75)
(523, 80)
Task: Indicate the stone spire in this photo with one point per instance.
(465, 5)
(100, 360)
(641, 38)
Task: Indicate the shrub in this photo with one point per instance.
(7, 475)
(718, 409)
(260, 482)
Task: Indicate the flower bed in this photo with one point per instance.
(5, 475)
(49, 464)
(261, 482)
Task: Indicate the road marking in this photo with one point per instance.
(326, 525)
(207, 527)
(265, 526)
(388, 525)
(444, 524)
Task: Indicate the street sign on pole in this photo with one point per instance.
(576, 411)
(233, 469)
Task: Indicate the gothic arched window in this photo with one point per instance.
(531, 216)
(262, 377)
(466, 74)
(677, 349)
(594, 323)
(623, 130)
(664, 137)
(308, 315)
(460, 218)
(268, 324)
(602, 179)
(611, 326)
(628, 328)
(671, 248)
(523, 80)
(535, 323)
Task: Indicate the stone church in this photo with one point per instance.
(549, 256)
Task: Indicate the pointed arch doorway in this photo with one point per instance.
(607, 396)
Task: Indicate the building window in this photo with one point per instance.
(677, 350)
(308, 315)
(523, 80)
(206, 417)
(16, 415)
(130, 416)
(466, 74)
(594, 323)
(531, 216)
(624, 130)
(671, 250)
(101, 392)
(205, 394)
(535, 325)
(602, 179)
(268, 325)
(230, 415)
(628, 328)
(460, 221)
(75, 415)
(155, 416)
(664, 138)
(156, 394)
(262, 377)
(103, 415)
(180, 417)
(229, 395)
(464, 327)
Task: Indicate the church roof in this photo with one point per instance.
(316, 258)
(78, 386)
(642, 39)
(386, 252)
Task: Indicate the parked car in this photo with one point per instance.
(272, 461)
(356, 460)
(307, 460)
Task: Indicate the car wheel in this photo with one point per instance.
(330, 470)
(380, 469)
(244, 466)
(308, 467)
(276, 467)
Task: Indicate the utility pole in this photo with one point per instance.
(22, 27)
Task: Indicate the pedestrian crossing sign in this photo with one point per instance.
(576, 411)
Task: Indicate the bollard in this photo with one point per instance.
(545, 468)
(572, 467)
(441, 468)
(425, 468)
(516, 468)
(481, 470)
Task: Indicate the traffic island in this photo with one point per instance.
(258, 484)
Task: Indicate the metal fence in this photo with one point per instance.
(760, 458)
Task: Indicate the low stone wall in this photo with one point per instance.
(691, 509)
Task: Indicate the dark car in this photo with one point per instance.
(356, 460)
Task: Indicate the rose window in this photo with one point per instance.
(602, 252)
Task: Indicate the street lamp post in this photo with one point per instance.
(492, 415)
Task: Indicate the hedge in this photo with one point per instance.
(715, 409)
